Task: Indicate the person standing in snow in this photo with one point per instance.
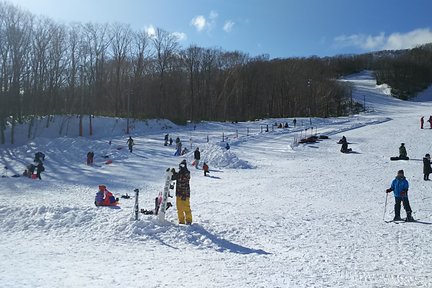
(166, 140)
(197, 157)
(39, 169)
(400, 187)
(427, 169)
(183, 193)
(430, 121)
(421, 122)
(90, 157)
(403, 152)
(295, 122)
(206, 169)
(170, 141)
(130, 143)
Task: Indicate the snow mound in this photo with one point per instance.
(424, 96)
(217, 156)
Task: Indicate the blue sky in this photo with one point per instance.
(281, 28)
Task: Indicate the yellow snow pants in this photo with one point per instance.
(184, 211)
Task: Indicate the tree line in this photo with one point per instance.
(50, 68)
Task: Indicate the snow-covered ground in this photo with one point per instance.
(272, 214)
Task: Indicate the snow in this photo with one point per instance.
(273, 214)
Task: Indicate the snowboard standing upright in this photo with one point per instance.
(165, 194)
(136, 208)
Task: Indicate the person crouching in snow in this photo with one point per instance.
(104, 197)
(206, 169)
(400, 187)
(183, 193)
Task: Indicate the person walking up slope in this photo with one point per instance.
(183, 193)
(421, 122)
(130, 143)
(400, 187)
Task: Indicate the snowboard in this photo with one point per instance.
(136, 206)
(398, 158)
(164, 202)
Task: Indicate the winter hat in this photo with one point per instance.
(102, 187)
(401, 172)
(427, 155)
(183, 163)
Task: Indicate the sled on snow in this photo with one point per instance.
(102, 204)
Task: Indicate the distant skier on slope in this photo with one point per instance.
(400, 187)
(183, 193)
(430, 121)
(421, 122)
(130, 143)
(427, 169)
(197, 157)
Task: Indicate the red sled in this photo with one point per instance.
(106, 204)
(109, 162)
(33, 176)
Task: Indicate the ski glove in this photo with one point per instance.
(389, 190)
(183, 198)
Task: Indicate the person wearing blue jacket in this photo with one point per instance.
(400, 187)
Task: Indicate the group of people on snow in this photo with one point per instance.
(35, 169)
(422, 122)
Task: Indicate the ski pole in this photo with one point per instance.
(385, 206)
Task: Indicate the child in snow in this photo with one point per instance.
(104, 197)
(399, 187)
(206, 169)
(427, 169)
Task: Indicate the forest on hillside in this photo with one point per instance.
(50, 68)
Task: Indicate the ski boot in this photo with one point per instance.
(409, 217)
(397, 218)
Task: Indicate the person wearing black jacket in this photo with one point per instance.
(39, 169)
(183, 193)
(427, 169)
(197, 157)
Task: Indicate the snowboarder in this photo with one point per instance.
(344, 148)
(227, 146)
(427, 169)
(130, 143)
(400, 187)
(39, 169)
(403, 155)
(166, 140)
(206, 169)
(197, 157)
(183, 193)
(90, 157)
(421, 122)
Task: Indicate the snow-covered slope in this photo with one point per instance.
(273, 214)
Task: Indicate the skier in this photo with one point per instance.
(166, 140)
(421, 122)
(197, 157)
(427, 169)
(206, 169)
(400, 187)
(183, 193)
(403, 155)
(90, 157)
(39, 169)
(130, 143)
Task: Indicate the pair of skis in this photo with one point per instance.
(161, 201)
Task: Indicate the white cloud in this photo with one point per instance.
(228, 26)
(181, 36)
(202, 23)
(199, 22)
(150, 30)
(382, 41)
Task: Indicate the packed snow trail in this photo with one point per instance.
(295, 216)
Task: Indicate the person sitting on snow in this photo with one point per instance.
(399, 187)
(206, 169)
(403, 152)
(104, 197)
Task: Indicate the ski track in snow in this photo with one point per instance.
(273, 214)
